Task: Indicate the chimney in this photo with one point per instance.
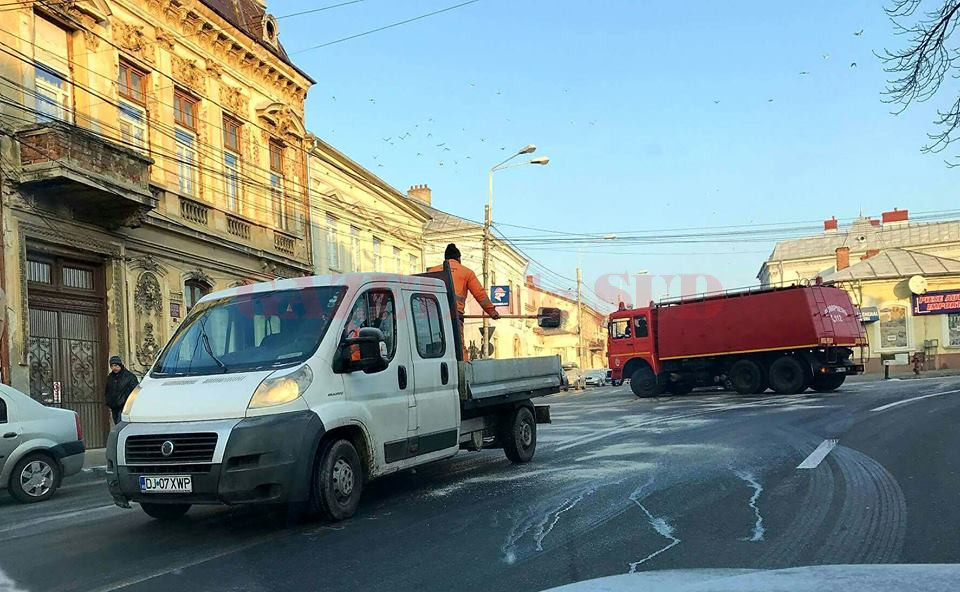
(843, 258)
(420, 193)
(830, 225)
(530, 280)
(895, 217)
(874, 222)
(870, 253)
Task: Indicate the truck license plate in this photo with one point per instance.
(166, 484)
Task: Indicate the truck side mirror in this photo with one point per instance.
(549, 318)
(366, 351)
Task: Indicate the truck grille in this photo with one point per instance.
(187, 448)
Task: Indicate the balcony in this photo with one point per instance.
(595, 344)
(101, 182)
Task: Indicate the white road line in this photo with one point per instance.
(816, 457)
(55, 517)
(904, 401)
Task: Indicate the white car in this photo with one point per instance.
(39, 446)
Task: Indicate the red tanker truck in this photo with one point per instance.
(786, 339)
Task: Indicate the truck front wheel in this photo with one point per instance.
(519, 436)
(828, 382)
(788, 376)
(746, 377)
(338, 481)
(644, 383)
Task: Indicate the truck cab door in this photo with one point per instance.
(435, 372)
(385, 393)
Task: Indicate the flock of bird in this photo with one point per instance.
(439, 149)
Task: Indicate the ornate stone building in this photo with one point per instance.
(151, 151)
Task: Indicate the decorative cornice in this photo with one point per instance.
(188, 73)
(133, 39)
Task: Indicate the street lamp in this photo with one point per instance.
(488, 220)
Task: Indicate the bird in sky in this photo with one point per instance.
(853, 64)
(483, 139)
(419, 153)
(375, 157)
(499, 92)
(468, 158)
(333, 98)
(441, 144)
(716, 101)
(430, 119)
(566, 90)
(446, 149)
(379, 166)
(826, 56)
(769, 100)
(858, 33)
(441, 163)
(503, 147)
(373, 101)
(803, 72)
(429, 134)
(387, 139)
(473, 84)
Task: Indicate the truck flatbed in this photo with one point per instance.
(493, 382)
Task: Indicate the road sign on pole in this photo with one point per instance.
(500, 295)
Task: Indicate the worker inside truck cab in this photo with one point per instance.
(465, 280)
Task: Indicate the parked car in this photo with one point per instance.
(39, 446)
(611, 380)
(575, 378)
(595, 378)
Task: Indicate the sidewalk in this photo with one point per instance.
(904, 373)
(94, 466)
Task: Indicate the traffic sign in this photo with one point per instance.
(500, 295)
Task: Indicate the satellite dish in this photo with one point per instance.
(918, 284)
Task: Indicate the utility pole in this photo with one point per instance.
(487, 221)
(580, 319)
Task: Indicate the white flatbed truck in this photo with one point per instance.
(299, 391)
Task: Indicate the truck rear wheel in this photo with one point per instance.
(338, 481)
(519, 435)
(827, 382)
(746, 377)
(788, 376)
(644, 383)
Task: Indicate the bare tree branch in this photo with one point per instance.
(919, 70)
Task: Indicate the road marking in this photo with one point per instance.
(55, 517)
(816, 457)
(895, 403)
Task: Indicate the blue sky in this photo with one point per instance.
(621, 95)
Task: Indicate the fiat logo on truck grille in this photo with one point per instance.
(166, 448)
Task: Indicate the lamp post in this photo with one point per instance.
(488, 220)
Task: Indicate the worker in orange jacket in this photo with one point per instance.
(464, 280)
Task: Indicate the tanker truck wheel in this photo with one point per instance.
(827, 383)
(644, 383)
(788, 376)
(747, 377)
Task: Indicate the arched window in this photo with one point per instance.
(893, 327)
(194, 290)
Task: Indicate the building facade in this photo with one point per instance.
(511, 337)
(152, 151)
(582, 337)
(358, 221)
(903, 276)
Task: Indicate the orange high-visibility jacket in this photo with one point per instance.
(463, 280)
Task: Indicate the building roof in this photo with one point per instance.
(863, 235)
(444, 222)
(247, 16)
(895, 263)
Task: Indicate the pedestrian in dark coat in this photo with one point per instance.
(120, 383)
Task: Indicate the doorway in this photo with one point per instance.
(65, 302)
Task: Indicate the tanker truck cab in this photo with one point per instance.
(631, 345)
(299, 391)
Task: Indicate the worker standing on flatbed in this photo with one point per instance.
(465, 280)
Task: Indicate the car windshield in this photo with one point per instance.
(250, 331)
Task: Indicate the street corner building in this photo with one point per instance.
(902, 275)
(152, 151)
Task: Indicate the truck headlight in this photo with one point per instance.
(282, 389)
(129, 404)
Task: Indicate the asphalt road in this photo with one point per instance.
(618, 484)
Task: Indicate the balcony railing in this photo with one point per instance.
(238, 227)
(194, 212)
(283, 243)
(103, 182)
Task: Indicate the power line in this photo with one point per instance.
(383, 28)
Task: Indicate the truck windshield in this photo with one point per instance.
(250, 332)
